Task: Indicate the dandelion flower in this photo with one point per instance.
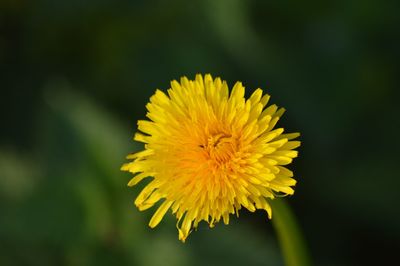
(209, 153)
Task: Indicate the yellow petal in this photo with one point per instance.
(159, 214)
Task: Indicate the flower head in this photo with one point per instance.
(209, 153)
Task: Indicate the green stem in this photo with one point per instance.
(289, 235)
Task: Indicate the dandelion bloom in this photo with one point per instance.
(209, 153)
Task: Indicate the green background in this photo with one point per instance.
(76, 75)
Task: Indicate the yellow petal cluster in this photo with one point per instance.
(209, 152)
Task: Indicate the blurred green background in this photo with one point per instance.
(75, 77)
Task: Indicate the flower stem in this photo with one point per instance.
(289, 235)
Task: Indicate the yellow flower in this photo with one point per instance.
(209, 153)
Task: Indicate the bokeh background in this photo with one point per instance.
(75, 77)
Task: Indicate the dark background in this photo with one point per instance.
(75, 77)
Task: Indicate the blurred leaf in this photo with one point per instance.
(20, 175)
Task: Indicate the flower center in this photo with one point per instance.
(220, 148)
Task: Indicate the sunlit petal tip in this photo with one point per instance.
(159, 214)
(269, 212)
(131, 183)
(125, 167)
(280, 112)
(181, 236)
